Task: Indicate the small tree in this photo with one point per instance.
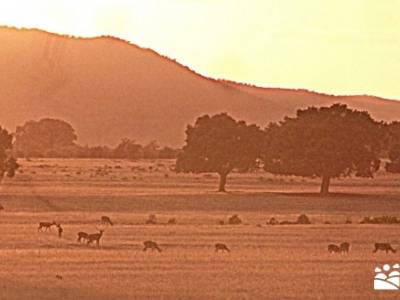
(8, 164)
(150, 151)
(219, 144)
(325, 142)
(128, 149)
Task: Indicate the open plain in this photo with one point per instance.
(265, 262)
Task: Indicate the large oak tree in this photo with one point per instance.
(219, 144)
(325, 142)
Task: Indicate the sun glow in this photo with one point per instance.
(342, 46)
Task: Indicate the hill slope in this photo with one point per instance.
(109, 89)
(290, 100)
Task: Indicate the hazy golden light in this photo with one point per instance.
(337, 46)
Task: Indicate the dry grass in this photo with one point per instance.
(266, 262)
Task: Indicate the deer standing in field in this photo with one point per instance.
(384, 247)
(46, 225)
(60, 230)
(95, 237)
(344, 247)
(222, 247)
(82, 236)
(151, 245)
(106, 220)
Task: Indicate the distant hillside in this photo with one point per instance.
(290, 100)
(109, 89)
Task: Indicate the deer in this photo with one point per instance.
(106, 220)
(60, 230)
(332, 248)
(151, 245)
(95, 237)
(82, 235)
(222, 247)
(383, 247)
(46, 225)
(344, 247)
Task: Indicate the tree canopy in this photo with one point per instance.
(38, 138)
(393, 146)
(219, 144)
(394, 155)
(128, 148)
(325, 142)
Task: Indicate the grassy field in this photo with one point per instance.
(266, 262)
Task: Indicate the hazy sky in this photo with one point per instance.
(336, 46)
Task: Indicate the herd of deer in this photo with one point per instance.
(345, 247)
(95, 237)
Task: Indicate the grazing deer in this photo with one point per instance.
(95, 237)
(59, 277)
(383, 247)
(46, 225)
(222, 247)
(151, 245)
(106, 220)
(82, 235)
(332, 248)
(344, 247)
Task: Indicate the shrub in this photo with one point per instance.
(234, 220)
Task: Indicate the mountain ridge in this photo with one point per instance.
(109, 88)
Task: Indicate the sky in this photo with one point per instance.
(332, 46)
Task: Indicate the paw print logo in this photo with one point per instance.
(387, 277)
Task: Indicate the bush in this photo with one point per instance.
(272, 221)
(380, 220)
(152, 219)
(172, 221)
(234, 220)
(303, 219)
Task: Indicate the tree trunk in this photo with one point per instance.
(222, 182)
(325, 185)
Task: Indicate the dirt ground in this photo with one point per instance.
(265, 262)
